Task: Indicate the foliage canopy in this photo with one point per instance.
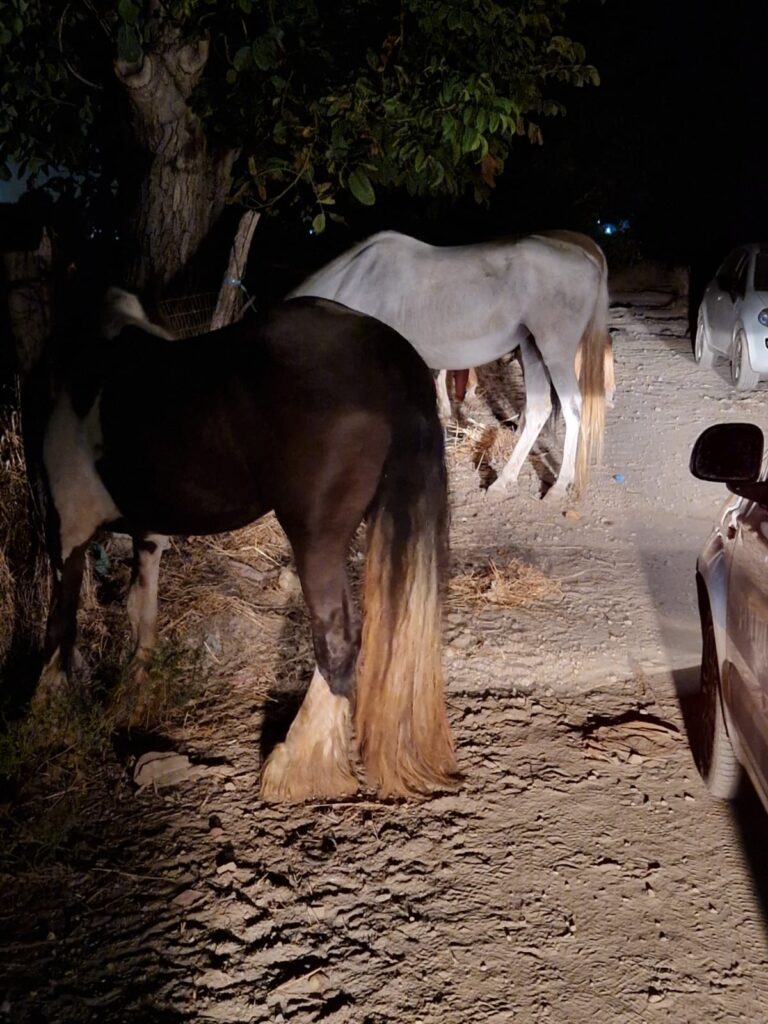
(426, 95)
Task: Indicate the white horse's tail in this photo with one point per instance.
(594, 363)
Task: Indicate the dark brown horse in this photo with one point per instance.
(324, 415)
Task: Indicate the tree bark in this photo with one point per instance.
(178, 192)
(30, 286)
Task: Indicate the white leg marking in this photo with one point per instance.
(443, 401)
(142, 597)
(52, 682)
(314, 759)
(567, 474)
(538, 406)
(69, 453)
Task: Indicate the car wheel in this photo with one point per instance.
(702, 353)
(711, 746)
(742, 374)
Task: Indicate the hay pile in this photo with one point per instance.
(223, 574)
(487, 446)
(510, 584)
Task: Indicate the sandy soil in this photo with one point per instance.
(581, 874)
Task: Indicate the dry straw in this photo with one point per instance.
(510, 584)
(485, 445)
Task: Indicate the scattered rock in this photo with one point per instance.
(161, 768)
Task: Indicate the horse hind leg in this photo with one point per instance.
(538, 406)
(141, 606)
(567, 387)
(61, 627)
(444, 407)
(314, 760)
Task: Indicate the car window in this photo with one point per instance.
(740, 277)
(730, 263)
(761, 272)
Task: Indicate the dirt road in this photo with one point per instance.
(582, 874)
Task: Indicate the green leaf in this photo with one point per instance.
(361, 188)
(263, 51)
(470, 140)
(318, 224)
(129, 44)
(246, 6)
(242, 58)
(128, 11)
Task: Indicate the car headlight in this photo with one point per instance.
(762, 316)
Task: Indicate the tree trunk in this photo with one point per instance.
(29, 287)
(230, 301)
(183, 182)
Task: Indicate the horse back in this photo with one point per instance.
(204, 435)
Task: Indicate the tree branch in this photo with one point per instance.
(77, 75)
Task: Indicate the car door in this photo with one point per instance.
(724, 296)
(745, 678)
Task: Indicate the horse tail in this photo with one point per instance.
(592, 380)
(401, 723)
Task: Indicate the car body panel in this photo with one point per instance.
(729, 310)
(745, 676)
(732, 569)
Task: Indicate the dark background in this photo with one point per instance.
(674, 141)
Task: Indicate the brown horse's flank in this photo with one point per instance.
(322, 415)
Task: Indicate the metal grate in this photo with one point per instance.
(189, 316)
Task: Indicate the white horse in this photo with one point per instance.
(462, 306)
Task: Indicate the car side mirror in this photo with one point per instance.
(731, 454)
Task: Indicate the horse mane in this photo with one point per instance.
(122, 309)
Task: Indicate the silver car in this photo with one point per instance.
(733, 316)
(729, 730)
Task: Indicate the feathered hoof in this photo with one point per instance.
(289, 776)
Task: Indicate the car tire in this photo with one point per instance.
(711, 746)
(743, 376)
(702, 353)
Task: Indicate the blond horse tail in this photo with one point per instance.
(401, 723)
(592, 363)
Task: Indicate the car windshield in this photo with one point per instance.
(761, 272)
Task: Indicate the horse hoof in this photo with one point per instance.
(497, 491)
(285, 779)
(51, 687)
(133, 704)
(556, 495)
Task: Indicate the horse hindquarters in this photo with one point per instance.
(390, 462)
(332, 466)
(402, 727)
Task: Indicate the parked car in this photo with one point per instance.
(732, 322)
(729, 731)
